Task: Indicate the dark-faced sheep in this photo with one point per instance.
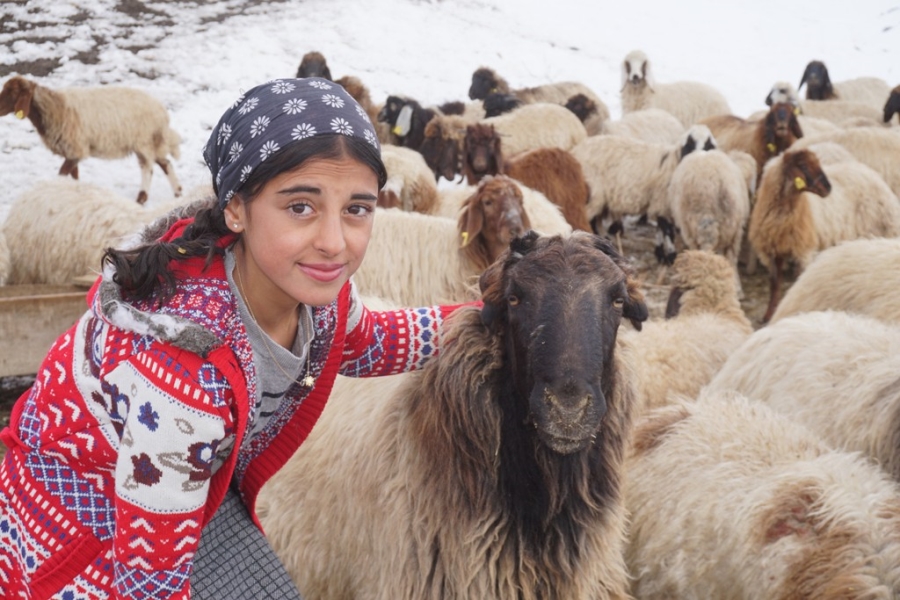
(313, 64)
(495, 472)
(104, 122)
(407, 120)
(892, 106)
(866, 90)
(762, 139)
(552, 171)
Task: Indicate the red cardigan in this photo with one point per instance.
(123, 448)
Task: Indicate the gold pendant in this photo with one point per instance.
(309, 380)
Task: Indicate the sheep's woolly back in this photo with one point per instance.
(872, 91)
(545, 217)
(857, 276)
(747, 165)
(5, 260)
(559, 176)
(706, 281)
(409, 178)
(710, 202)
(59, 229)
(838, 111)
(541, 125)
(369, 455)
(689, 101)
(876, 147)
(83, 122)
(729, 499)
(559, 93)
(652, 125)
(837, 373)
(414, 260)
(813, 126)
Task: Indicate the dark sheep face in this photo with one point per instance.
(892, 106)
(441, 154)
(313, 64)
(782, 127)
(391, 110)
(803, 170)
(558, 302)
(481, 152)
(818, 83)
(483, 82)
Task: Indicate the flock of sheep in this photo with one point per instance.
(704, 459)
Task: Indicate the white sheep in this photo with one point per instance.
(495, 471)
(104, 122)
(866, 90)
(59, 228)
(858, 276)
(652, 125)
(831, 371)
(876, 147)
(710, 203)
(729, 499)
(689, 101)
(628, 176)
(540, 125)
(839, 111)
(792, 219)
(410, 184)
(703, 326)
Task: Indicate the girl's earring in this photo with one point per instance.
(235, 225)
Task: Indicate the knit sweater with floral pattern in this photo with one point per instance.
(122, 450)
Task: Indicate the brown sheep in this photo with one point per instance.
(552, 171)
(442, 146)
(313, 64)
(761, 139)
(495, 472)
(104, 122)
(490, 218)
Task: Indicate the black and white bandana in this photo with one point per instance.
(271, 116)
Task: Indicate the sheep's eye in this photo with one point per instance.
(619, 302)
(513, 300)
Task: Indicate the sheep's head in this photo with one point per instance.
(782, 128)
(486, 81)
(782, 91)
(702, 280)
(313, 64)
(441, 148)
(482, 154)
(391, 110)
(16, 97)
(892, 106)
(582, 106)
(697, 137)
(497, 103)
(636, 70)
(818, 83)
(491, 218)
(803, 172)
(557, 303)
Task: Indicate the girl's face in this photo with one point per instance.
(305, 233)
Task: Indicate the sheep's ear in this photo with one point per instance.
(689, 146)
(805, 75)
(471, 222)
(22, 106)
(626, 73)
(792, 516)
(647, 72)
(404, 121)
(795, 126)
(710, 144)
(769, 97)
(673, 305)
(635, 310)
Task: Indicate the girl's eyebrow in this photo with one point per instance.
(310, 189)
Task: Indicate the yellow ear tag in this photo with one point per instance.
(771, 147)
(20, 114)
(465, 239)
(396, 130)
(796, 111)
(799, 183)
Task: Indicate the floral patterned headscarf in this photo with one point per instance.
(271, 116)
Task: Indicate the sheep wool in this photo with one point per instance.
(845, 390)
(729, 499)
(856, 276)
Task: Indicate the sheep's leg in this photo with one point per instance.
(146, 176)
(169, 170)
(69, 167)
(774, 288)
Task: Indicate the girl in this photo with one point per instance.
(208, 353)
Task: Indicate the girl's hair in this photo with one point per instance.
(144, 271)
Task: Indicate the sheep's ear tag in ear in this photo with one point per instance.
(20, 114)
(404, 121)
(465, 239)
(771, 147)
(796, 111)
(799, 183)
